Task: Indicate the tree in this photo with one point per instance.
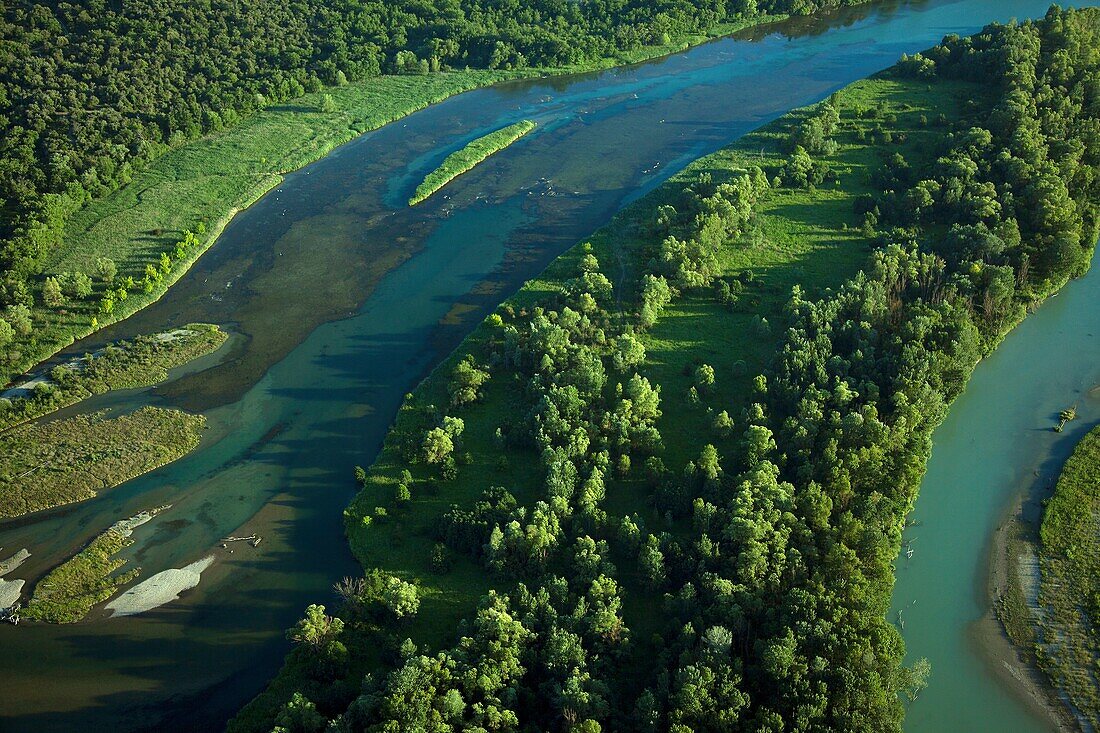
(914, 679)
(106, 269)
(77, 285)
(704, 377)
(19, 316)
(466, 382)
(437, 446)
(651, 561)
(299, 715)
(51, 293)
(316, 628)
(7, 333)
(327, 105)
(708, 465)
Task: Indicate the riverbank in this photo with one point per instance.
(199, 187)
(1005, 635)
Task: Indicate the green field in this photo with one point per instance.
(809, 237)
(44, 465)
(469, 156)
(1069, 592)
(198, 187)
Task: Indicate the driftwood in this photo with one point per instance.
(254, 539)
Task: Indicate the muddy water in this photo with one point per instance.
(341, 299)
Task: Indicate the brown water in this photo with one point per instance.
(341, 299)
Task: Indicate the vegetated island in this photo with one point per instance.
(665, 484)
(469, 156)
(142, 362)
(1050, 603)
(43, 465)
(103, 218)
(69, 591)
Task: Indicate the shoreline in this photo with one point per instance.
(1011, 664)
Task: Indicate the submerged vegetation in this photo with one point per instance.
(664, 485)
(469, 156)
(48, 464)
(122, 365)
(1068, 644)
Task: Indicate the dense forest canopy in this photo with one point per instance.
(772, 549)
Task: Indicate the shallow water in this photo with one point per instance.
(341, 299)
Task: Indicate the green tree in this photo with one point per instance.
(106, 269)
(51, 293)
(316, 628)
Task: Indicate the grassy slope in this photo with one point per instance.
(1070, 586)
(210, 179)
(810, 237)
(60, 462)
(465, 159)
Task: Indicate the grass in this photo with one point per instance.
(49, 464)
(465, 159)
(70, 590)
(1069, 590)
(210, 179)
(124, 365)
(805, 237)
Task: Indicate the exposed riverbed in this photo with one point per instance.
(341, 298)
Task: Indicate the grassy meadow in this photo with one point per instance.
(43, 465)
(71, 589)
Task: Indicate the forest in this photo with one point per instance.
(92, 92)
(805, 307)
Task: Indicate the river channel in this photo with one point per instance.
(293, 405)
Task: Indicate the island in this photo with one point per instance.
(469, 156)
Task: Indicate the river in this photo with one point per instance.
(996, 444)
(341, 299)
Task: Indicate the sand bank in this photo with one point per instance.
(6, 566)
(164, 587)
(9, 592)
